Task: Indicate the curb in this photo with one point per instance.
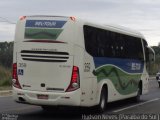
(5, 92)
(152, 78)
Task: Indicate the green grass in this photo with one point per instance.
(5, 77)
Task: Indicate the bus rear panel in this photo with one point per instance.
(43, 70)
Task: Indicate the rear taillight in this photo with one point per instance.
(75, 80)
(15, 81)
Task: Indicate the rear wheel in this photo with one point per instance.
(103, 101)
(159, 84)
(157, 77)
(137, 98)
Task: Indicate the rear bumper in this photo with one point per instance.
(30, 97)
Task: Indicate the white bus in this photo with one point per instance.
(64, 61)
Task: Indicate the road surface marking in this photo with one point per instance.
(136, 105)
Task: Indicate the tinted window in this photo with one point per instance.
(105, 43)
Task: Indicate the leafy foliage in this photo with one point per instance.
(6, 57)
(156, 66)
(6, 54)
(5, 76)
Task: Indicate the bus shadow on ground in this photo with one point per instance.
(75, 113)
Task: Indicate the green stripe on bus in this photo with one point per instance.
(124, 83)
(34, 33)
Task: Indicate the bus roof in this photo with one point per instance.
(111, 27)
(117, 28)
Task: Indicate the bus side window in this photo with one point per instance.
(107, 43)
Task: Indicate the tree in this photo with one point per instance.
(6, 54)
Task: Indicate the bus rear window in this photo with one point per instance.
(43, 29)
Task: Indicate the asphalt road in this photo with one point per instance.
(149, 107)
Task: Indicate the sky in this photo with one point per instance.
(140, 15)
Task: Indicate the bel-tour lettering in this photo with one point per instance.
(45, 24)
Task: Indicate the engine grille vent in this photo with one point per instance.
(44, 56)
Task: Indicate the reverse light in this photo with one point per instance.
(22, 17)
(75, 80)
(15, 81)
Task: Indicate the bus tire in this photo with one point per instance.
(137, 98)
(159, 84)
(103, 101)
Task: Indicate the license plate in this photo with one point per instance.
(40, 96)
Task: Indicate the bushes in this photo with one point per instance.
(6, 54)
(5, 76)
(6, 57)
